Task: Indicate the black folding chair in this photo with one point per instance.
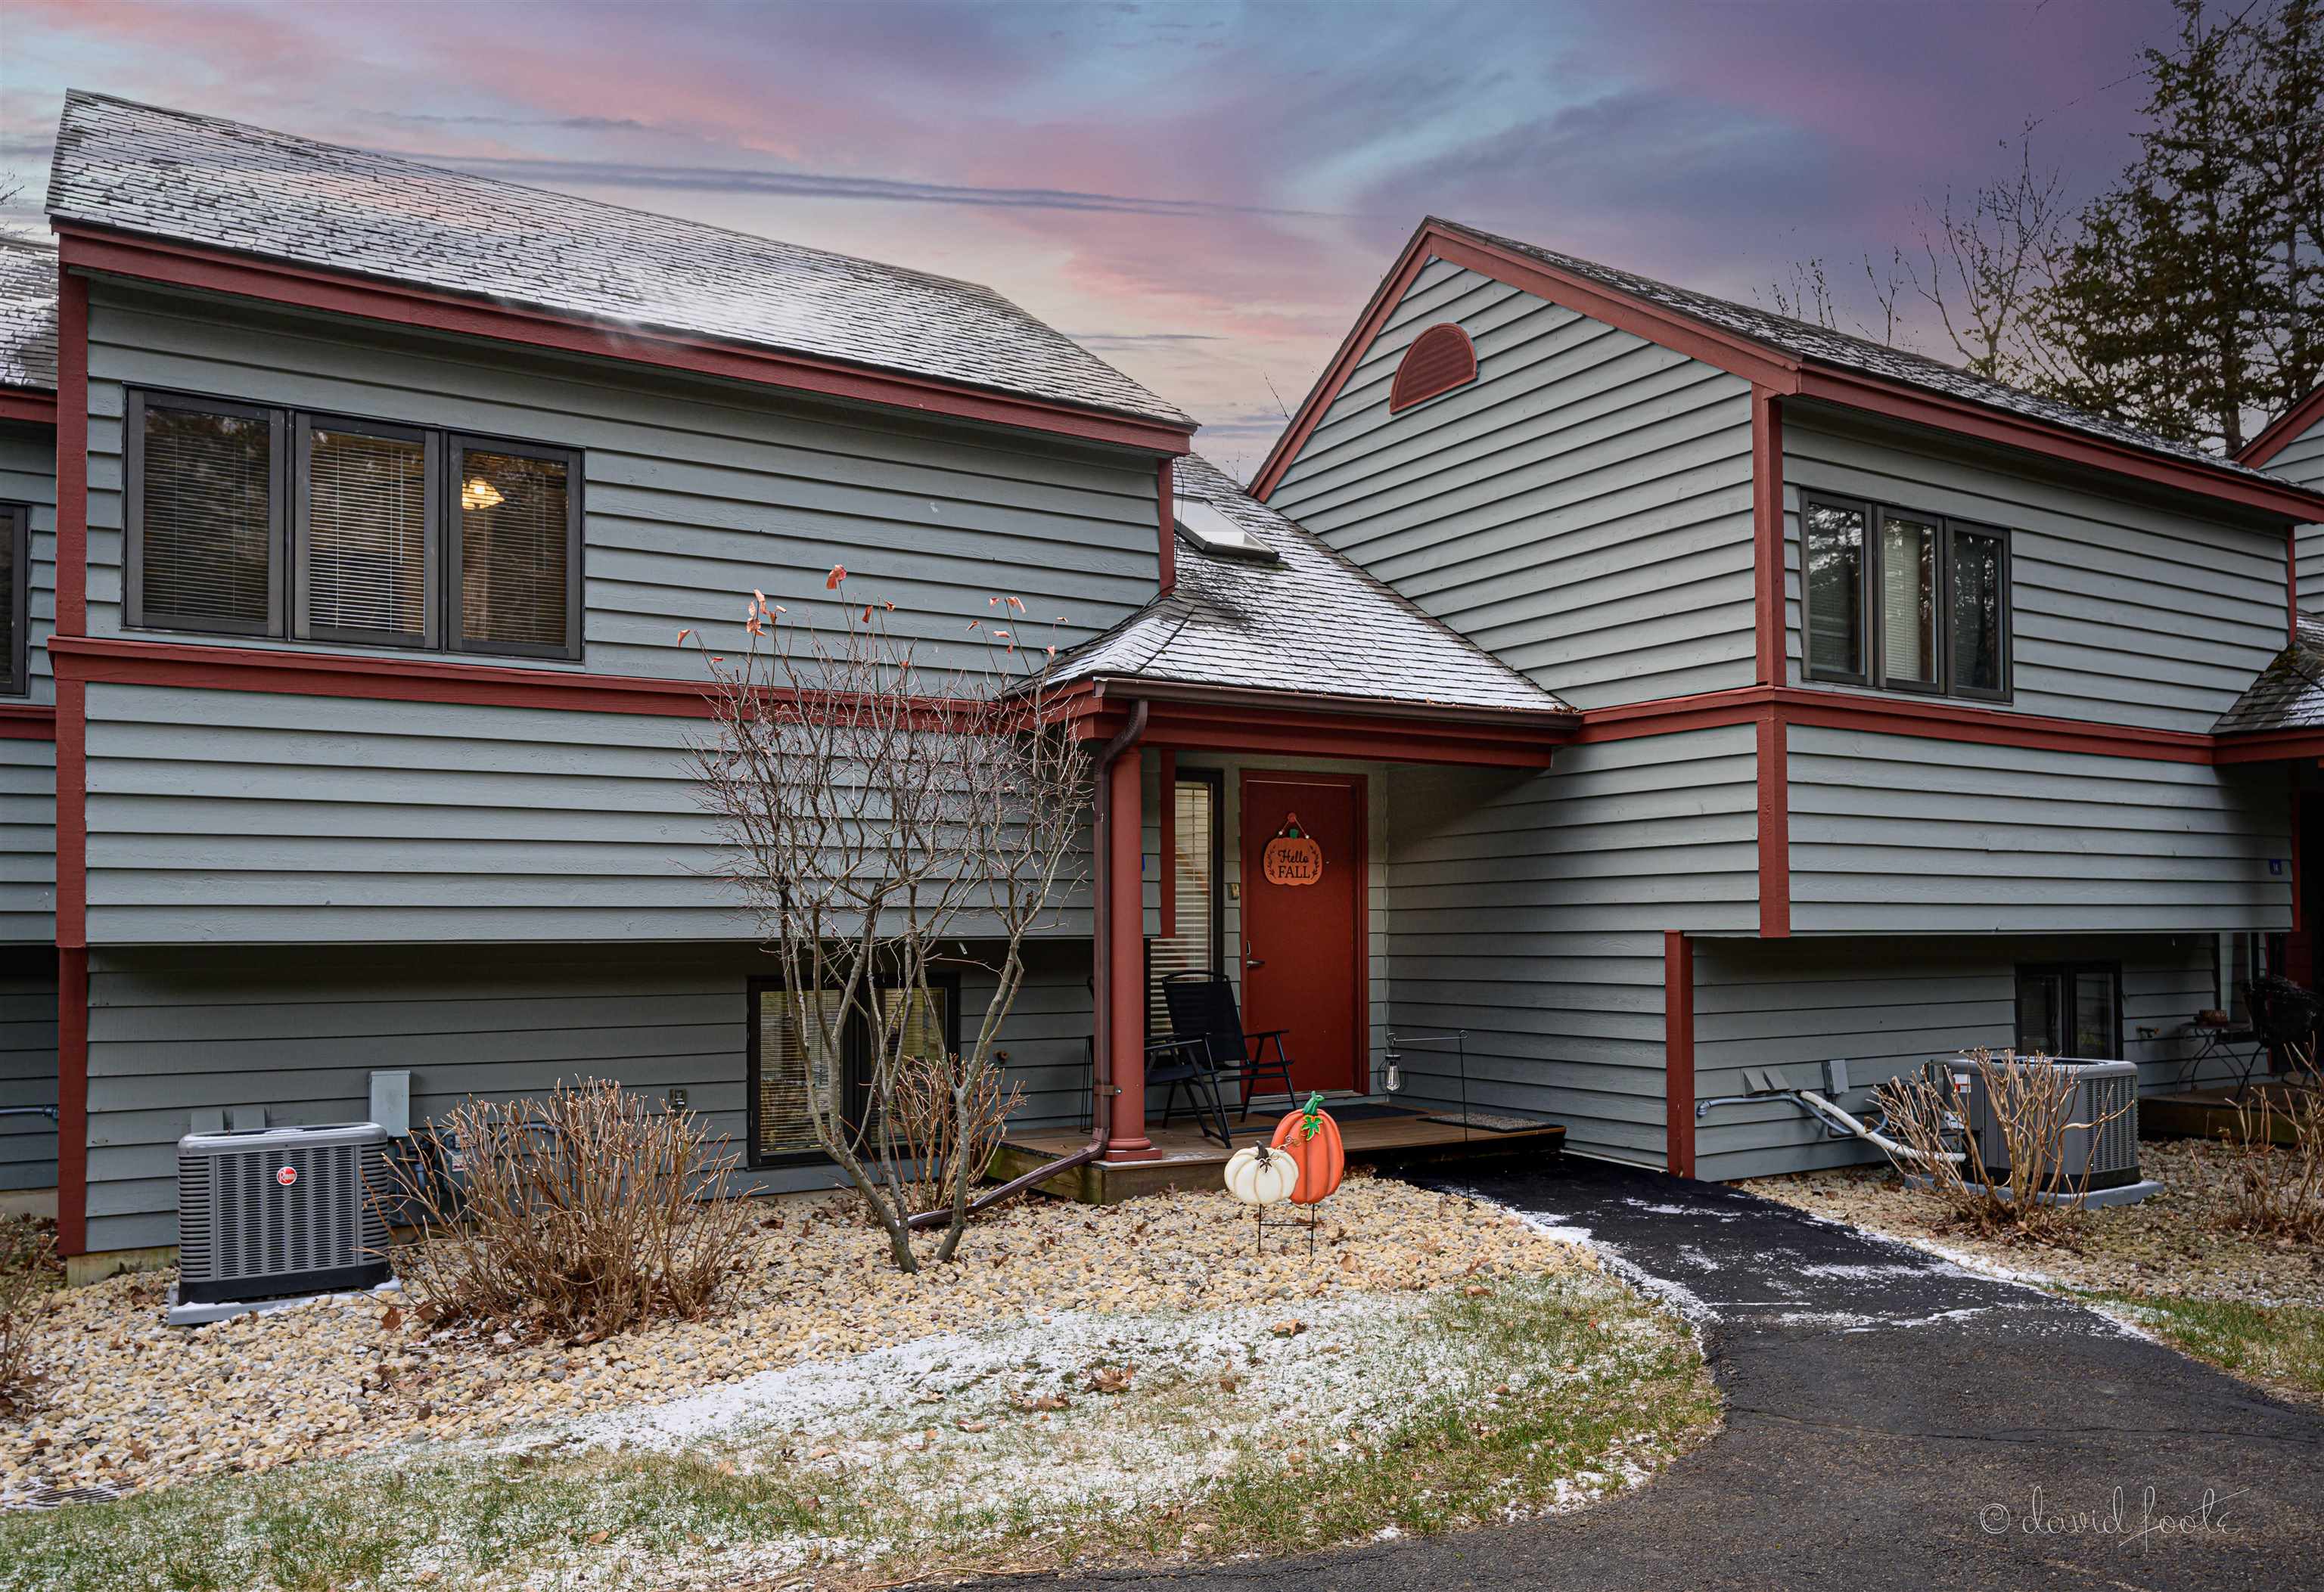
(1185, 1064)
(1202, 1007)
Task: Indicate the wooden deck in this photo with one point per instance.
(1191, 1161)
(2208, 1113)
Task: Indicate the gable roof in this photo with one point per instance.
(216, 184)
(28, 314)
(1312, 625)
(2286, 429)
(1788, 355)
(2287, 694)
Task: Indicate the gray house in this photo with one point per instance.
(1665, 688)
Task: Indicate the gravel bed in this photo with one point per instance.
(131, 1403)
(2179, 1242)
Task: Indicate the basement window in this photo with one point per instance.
(1905, 600)
(785, 1059)
(1209, 527)
(2070, 1009)
(249, 520)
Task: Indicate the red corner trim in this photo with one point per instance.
(2280, 432)
(72, 1100)
(274, 281)
(72, 454)
(2291, 586)
(1774, 794)
(28, 406)
(1767, 533)
(1678, 1053)
(1163, 471)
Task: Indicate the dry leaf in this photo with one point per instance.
(1289, 1328)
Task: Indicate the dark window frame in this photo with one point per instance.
(304, 423)
(854, 1061)
(135, 614)
(288, 425)
(457, 445)
(18, 655)
(1216, 779)
(1874, 615)
(2067, 973)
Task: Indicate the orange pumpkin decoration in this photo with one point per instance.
(1293, 856)
(1311, 1138)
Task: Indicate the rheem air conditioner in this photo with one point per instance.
(274, 1212)
(2105, 1096)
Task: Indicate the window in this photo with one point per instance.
(1199, 944)
(15, 580)
(782, 1129)
(2070, 1009)
(1439, 360)
(1906, 600)
(390, 535)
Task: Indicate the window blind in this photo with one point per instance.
(785, 1121)
(207, 525)
(1908, 600)
(514, 550)
(366, 533)
(1192, 948)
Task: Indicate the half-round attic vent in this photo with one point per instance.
(1439, 360)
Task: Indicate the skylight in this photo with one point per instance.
(1207, 526)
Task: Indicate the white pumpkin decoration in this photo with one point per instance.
(1259, 1175)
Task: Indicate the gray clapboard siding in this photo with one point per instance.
(1529, 909)
(28, 475)
(28, 842)
(2301, 460)
(1901, 835)
(1888, 1007)
(1582, 509)
(28, 1067)
(697, 491)
(2126, 611)
(297, 1032)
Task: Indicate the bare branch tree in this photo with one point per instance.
(1988, 265)
(878, 811)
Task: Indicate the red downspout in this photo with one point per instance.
(1101, 989)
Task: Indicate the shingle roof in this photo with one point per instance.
(1312, 623)
(204, 180)
(2289, 694)
(1823, 345)
(28, 314)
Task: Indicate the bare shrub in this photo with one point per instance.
(585, 1213)
(2279, 1188)
(2033, 1109)
(948, 1117)
(28, 1272)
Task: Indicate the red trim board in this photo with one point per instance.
(72, 1100)
(72, 454)
(1678, 1053)
(27, 721)
(1168, 547)
(213, 270)
(1774, 826)
(2279, 433)
(28, 406)
(1125, 944)
(1781, 373)
(1767, 534)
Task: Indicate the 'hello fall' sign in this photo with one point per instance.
(1292, 857)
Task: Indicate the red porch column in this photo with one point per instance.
(1678, 1053)
(1125, 947)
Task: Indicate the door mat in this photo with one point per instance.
(1492, 1122)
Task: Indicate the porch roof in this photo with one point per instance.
(1312, 625)
(2287, 694)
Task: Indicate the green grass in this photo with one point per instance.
(1538, 1383)
(2280, 1346)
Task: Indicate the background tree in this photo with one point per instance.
(882, 817)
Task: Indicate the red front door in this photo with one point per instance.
(1303, 928)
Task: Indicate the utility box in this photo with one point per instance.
(391, 1101)
(280, 1211)
(2106, 1094)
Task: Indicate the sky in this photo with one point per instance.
(1204, 194)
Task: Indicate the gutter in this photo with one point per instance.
(1138, 689)
(1102, 1090)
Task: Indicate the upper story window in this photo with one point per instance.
(1906, 600)
(258, 521)
(15, 583)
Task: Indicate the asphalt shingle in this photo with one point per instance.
(1313, 622)
(2287, 694)
(28, 314)
(1821, 344)
(204, 180)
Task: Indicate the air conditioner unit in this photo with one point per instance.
(2106, 1094)
(272, 1211)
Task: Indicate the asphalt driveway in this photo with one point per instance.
(1892, 1421)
